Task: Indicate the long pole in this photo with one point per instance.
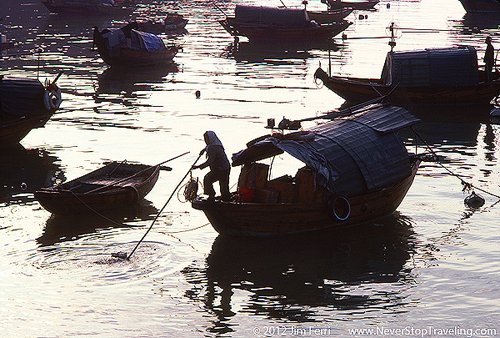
(164, 206)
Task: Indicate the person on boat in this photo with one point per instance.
(489, 58)
(220, 167)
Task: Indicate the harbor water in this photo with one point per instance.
(429, 270)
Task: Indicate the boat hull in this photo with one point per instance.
(481, 6)
(356, 5)
(258, 219)
(356, 90)
(329, 16)
(132, 58)
(104, 189)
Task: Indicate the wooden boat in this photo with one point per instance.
(357, 170)
(331, 15)
(116, 185)
(94, 7)
(128, 47)
(270, 24)
(25, 104)
(171, 22)
(354, 4)
(443, 76)
(481, 6)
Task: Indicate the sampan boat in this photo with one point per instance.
(117, 185)
(354, 4)
(130, 48)
(275, 25)
(25, 104)
(429, 77)
(356, 170)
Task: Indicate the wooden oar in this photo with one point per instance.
(129, 177)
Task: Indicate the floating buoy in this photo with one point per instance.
(388, 5)
(361, 17)
(24, 186)
(344, 36)
(197, 94)
(474, 201)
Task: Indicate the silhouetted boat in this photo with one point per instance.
(85, 7)
(354, 4)
(270, 24)
(171, 22)
(357, 170)
(440, 76)
(25, 104)
(128, 47)
(116, 185)
(331, 15)
(481, 6)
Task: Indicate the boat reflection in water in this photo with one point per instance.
(67, 228)
(22, 171)
(286, 278)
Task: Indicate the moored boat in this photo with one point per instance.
(481, 6)
(356, 170)
(128, 47)
(117, 185)
(94, 7)
(354, 4)
(170, 23)
(25, 104)
(331, 15)
(270, 24)
(438, 76)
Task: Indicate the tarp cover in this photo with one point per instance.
(454, 66)
(350, 155)
(138, 40)
(272, 15)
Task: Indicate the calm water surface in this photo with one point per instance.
(433, 265)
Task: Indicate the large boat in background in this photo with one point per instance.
(354, 4)
(430, 77)
(276, 25)
(481, 6)
(95, 7)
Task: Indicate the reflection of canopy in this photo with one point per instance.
(353, 154)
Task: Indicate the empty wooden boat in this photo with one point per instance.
(116, 185)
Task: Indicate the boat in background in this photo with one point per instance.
(117, 185)
(271, 24)
(354, 4)
(481, 6)
(171, 22)
(128, 47)
(356, 170)
(84, 7)
(25, 104)
(429, 77)
(330, 15)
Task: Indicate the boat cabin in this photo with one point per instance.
(288, 17)
(454, 66)
(350, 156)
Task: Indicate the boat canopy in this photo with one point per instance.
(454, 66)
(350, 155)
(138, 40)
(271, 15)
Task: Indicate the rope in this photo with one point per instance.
(187, 230)
(466, 185)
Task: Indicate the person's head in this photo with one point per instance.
(488, 39)
(211, 138)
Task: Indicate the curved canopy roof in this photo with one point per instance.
(350, 155)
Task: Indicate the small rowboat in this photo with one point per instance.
(114, 186)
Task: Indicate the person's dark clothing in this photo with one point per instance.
(217, 175)
(489, 60)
